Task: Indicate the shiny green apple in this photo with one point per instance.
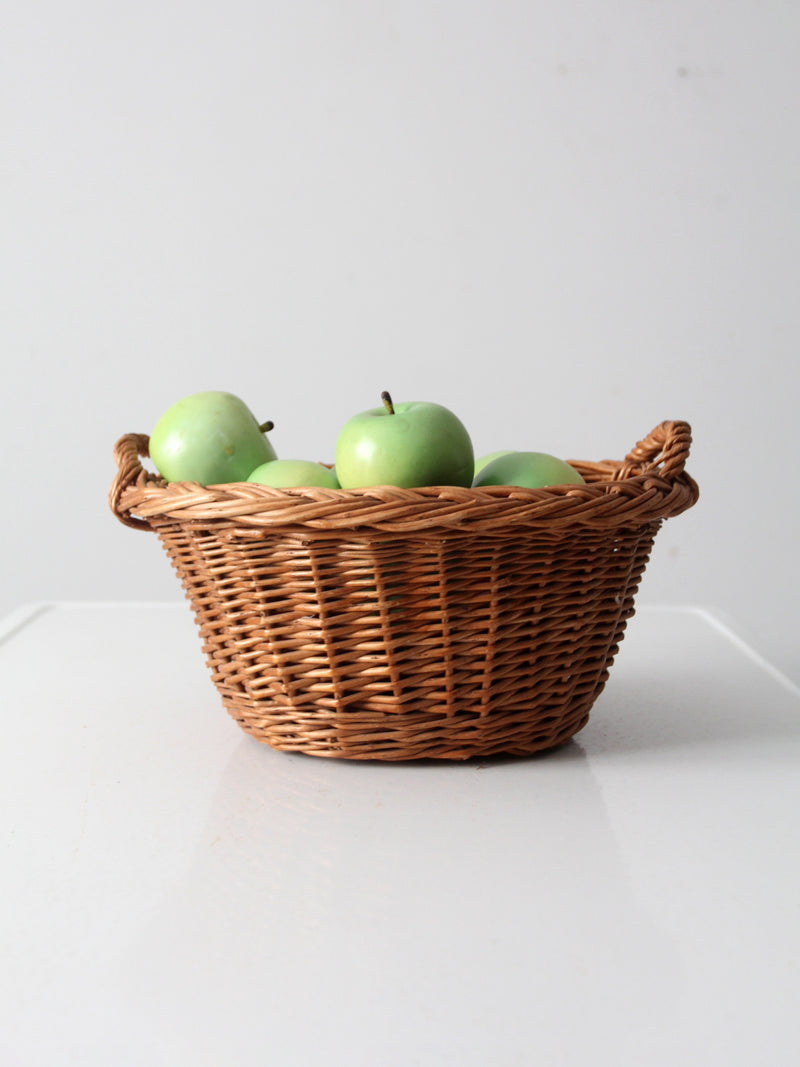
(294, 474)
(532, 470)
(210, 438)
(484, 461)
(410, 444)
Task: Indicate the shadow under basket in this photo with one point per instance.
(399, 624)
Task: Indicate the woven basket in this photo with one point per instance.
(399, 624)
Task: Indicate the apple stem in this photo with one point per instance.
(265, 427)
(387, 402)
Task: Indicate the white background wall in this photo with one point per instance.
(566, 222)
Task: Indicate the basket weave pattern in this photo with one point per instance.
(398, 624)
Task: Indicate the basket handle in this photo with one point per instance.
(129, 471)
(663, 452)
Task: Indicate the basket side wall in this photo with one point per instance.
(394, 648)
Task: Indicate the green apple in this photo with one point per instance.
(532, 470)
(484, 461)
(294, 473)
(410, 444)
(210, 438)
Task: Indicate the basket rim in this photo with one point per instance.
(648, 486)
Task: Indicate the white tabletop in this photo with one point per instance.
(175, 893)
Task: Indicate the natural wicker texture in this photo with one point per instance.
(398, 624)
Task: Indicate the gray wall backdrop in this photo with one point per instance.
(566, 222)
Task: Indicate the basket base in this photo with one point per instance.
(354, 736)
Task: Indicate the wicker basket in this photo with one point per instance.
(399, 624)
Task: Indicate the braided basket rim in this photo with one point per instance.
(648, 486)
